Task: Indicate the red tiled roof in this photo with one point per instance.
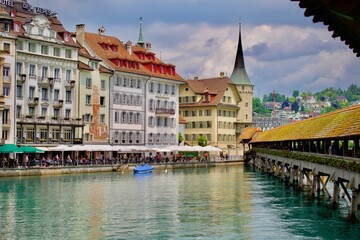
(83, 66)
(94, 41)
(216, 88)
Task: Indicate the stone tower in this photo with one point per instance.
(245, 87)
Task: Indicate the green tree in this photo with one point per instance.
(295, 106)
(202, 141)
(296, 93)
(180, 138)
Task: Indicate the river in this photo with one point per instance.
(230, 202)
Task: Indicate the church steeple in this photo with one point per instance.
(140, 40)
(239, 75)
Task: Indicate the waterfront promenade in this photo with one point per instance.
(95, 168)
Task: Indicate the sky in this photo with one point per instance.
(283, 49)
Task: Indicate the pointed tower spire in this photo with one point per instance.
(239, 75)
(140, 40)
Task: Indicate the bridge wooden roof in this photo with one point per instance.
(338, 124)
(341, 17)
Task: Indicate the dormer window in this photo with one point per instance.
(28, 29)
(40, 31)
(52, 34)
(66, 37)
(7, 27)
(16, 27)
(94, 65)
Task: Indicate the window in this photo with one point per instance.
(44, 49)
(40, 31)
(18, 68)
(19, 92)
(116, 117)
(137, 118)
(166, 89)
(19, 45)
(32, 47)
(246, 104)
(68, 75)
(6, 73)
(6, 48)
(103, 84)
(56, 73)
(94, 65)
(66, 37)
(118, 81)
(44, 72)
(88, 99)
(67, 113)
(31, 92)
(173, 90)
(151, 87)
(138, 84)
(88, 83)
(56, 52)
(44, 94)
(123, 117)
(68, 53)
(68, 96)
(7, 27)
(56, 94)
(43, 111)
(31, 70)
(159, 88)
(102, 118)
(102, 101)
(28, 29)
(18, 111)
(6, 91)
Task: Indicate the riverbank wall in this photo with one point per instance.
(38, 171)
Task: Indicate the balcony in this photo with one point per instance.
(70, 84)
(20, 79)
(7, 78)
(164, 111)
(33, 101)
(45, 82)
(58, 104)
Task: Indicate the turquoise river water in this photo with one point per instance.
(231, 202)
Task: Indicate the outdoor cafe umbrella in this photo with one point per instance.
(29, 149)
(10, 148)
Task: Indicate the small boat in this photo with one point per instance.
(143, 168)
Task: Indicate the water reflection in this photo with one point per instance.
(222, 202)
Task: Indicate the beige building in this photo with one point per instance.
(93, 97)
(7, 78)
(219, 108)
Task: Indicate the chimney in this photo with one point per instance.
(222, 74)
(148, 46)
(128, 47)
(102, 31)
(80, 34)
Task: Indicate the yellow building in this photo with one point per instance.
(218, 108)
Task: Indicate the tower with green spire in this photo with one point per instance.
(140, 41)
(245, 88)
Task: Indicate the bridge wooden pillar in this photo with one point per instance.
(335, 199)
(291, 180)
(314, 184)
(283, 171)
(301, 178)
(354, 203)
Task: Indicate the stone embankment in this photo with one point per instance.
(38, 171)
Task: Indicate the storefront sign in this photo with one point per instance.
(37, 10)
(7, 3)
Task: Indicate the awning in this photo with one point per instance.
(10, 148)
